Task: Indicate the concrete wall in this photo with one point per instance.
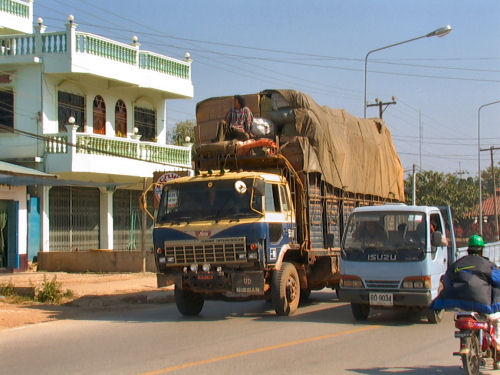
(95, 261)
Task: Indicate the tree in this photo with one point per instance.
(487, 180)
(181, 130)
(439, 189)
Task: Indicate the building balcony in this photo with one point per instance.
(71, 154)
(70, 52)
(16, 16)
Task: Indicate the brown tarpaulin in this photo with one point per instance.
(354, 154)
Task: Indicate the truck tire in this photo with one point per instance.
(305, 294)
(285, 289)
(360, 311)
(188, 303)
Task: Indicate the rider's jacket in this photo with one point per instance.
(471, 283)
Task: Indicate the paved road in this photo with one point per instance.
(234, 338)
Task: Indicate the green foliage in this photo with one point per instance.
(182, 129)
(50, 291)
(487, 180)
(439, 189)
(7, 289)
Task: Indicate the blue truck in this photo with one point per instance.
(263, 219)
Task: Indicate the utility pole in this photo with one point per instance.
(494, 187)
(378, 103)
(460, 172)
(414, 197)
(420, 136)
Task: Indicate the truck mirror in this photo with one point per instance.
(437, 238)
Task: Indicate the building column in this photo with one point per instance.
(106, 217)
(44, 218)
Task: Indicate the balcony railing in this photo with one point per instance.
(92, 144)
(85, 43)
(17, 8)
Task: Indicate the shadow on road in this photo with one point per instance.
(321, 307)
(428, 370)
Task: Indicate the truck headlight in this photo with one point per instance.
(417, 282)
(205, 267)
(193, 267)
(350, 281)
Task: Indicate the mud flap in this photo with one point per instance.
(248, 283)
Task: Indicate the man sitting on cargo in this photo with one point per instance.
(236, 123)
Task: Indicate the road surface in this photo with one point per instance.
(234, 338)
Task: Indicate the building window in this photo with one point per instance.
(99, 112)
(70, 105)
(120, 119)
(6, 110)
(145, 122)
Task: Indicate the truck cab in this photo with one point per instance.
(220, 234)
(393, 257)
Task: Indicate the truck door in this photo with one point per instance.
(280, 218)
(438, 256)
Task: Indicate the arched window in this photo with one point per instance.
(145, 122)
(99, 109)
(70, 105)
(120, 119)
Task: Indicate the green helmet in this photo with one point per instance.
(476, 241)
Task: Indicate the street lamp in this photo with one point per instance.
(479, 164)
(442, 31)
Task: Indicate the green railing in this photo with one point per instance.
(95, 45)
(19, 44)
(17, 8)
(54, 42)
(56, 144)
(120, 147)
(85, 43)
(151, 61)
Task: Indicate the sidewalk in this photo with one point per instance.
(82, 284)
(92, 293)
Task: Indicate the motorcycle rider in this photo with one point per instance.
(472, 283)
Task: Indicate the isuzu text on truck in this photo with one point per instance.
(263, 219)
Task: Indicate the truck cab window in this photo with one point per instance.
(284, 198)
(272, 198)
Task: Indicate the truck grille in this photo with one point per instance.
(223, 250)
(389, 284)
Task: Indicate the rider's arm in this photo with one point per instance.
(495, 277)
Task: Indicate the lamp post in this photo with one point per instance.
(479, 164)
(442, 31)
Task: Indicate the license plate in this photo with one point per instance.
(463, 334)
(381, 299)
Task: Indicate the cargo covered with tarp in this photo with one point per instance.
(353, 154)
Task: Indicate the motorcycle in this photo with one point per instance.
(477, 341)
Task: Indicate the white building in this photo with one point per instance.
(91, 111)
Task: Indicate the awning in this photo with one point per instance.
(17, 170)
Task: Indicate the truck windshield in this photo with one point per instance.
(207, 200)
(385, 237)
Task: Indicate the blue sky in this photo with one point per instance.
(318, 47)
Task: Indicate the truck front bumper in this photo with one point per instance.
(242, 283)
(400, 298)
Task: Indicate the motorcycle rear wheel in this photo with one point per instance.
(471, 360)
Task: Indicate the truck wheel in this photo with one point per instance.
(360, 311)
(188, 303)
(285, 289)
(435, 316)
(304, 295)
